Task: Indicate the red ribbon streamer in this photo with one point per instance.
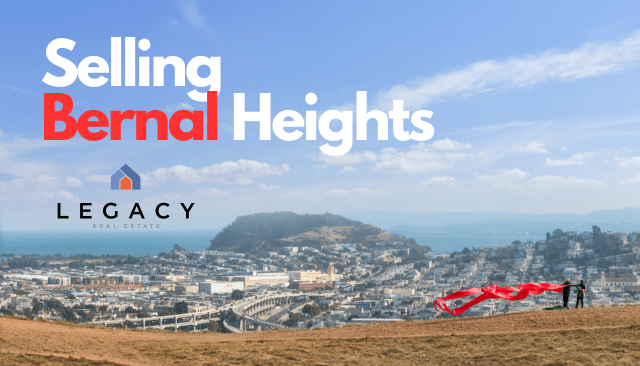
(495, 292)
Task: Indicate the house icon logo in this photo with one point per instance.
(125, 179)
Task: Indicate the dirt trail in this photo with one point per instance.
(589, 336)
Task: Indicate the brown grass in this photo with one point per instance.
(568, 337)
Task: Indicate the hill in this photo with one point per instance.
(627, 219)
(271, 231)
(602, 336)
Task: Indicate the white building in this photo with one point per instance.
(219, 287)
(60, 281)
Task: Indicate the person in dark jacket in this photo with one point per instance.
(566, 291)
(580, 290)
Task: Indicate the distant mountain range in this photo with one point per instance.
(627, 219)
(263, 232)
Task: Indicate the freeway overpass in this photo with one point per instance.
(245, 311)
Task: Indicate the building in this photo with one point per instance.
(399, 291)
(102, 281)
(219, 287)
(310, 286)
(59, 281)
(141, 279)
(171, 277)
(260, 278)
(315, 276)
(618, 283)
(192, 289)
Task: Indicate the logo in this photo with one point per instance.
(125, 179)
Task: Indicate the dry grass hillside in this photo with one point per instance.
(605, 336)
(344, 234)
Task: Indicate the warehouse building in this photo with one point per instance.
(219, 287)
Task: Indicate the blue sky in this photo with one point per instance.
(535, 108)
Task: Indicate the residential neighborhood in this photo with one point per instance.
(335, 285)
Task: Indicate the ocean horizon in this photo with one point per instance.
(151, 243)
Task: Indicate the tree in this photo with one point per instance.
(466, 250)
(237, 295)
(103, 308)
(87, 316)
(353, 316)
(293, 320)
(557, 233)
(130, 309)
(28, 312)
(54, 304)
(36, 305)
(214, 327)
(181, 307)
(311, 310)
(68, 314)
(142, 314)
(596, 230)
(548, 236)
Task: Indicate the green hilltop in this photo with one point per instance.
(272, 231)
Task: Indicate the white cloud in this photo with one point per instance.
(514, 180)
(230, 172)
(365, 191)
(178, 107)
(210, 192)
(439, 181)
(74, 182)
(265, 187)
(191, 12)
(535, 147)
(627, 162)
(564, 148)
(166, 197)
(45, 179)
(577, 159)
(448, 144)
(588, 60)
(14, 160)
(55, 195)
(99, 178)
(345, 193)
(338, 192)
(504, 176)
(350, 158)
(11, 185)
(419, 159)
(505, 179)
(348, 169)
(554, 181)
(631, 181)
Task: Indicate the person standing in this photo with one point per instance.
(566, 291)
(580, 289)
